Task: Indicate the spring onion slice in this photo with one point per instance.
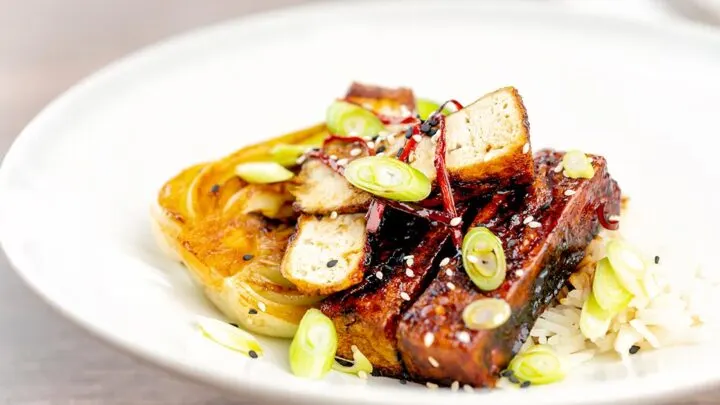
(539, 365)
(312, 351)
(577, 166)
(594, 321)
(426, 107)
(484, 258)
(389, 178)
(286, 154)
(609, 293)
(360, 363)
(229, 336)
(628, 265)
(347, 119)
(263, 172)
(486, 313)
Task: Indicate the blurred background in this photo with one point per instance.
(48, 45)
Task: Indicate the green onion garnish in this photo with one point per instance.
(229, 336)
(539, 365)
(594, 321)
(360, 363)
(628, 265)
(286, 154)
(484, 258)
(426, 107)
(389, 178)
(263, 172)
(347, 119)
(486, 313)
(609, 293)
(577, 166)
(312, 351)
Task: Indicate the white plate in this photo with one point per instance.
(76, 186)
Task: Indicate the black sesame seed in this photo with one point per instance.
(506, 373)
(513, 379)
(247, 257)
(433, 121)
(375, 137)
(425, 127)
(403, 382)
(657, 259)
(634, 349)
(399, 152)
(332, 263)
(409, 132)
(252, 311)
(381, 149)
(432, 131)
(525, 384)
(215, 188)
(234, 324)
(253, 354)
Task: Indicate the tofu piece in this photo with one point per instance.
(393, 102)
(325, 255)
(320, 191)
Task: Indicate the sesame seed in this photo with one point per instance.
(526, 148)
(520, 273)
(506, 373)
(333, 215)
(614, 218)
(355, 152)
(371, 144)
(455, 221)
(444, 262)
(534, 224)
(409, 273)
(410, 261)
(247, 257)
(403, 382)
(399, 152)
(634, 349)
(409, 257)
(233, 324)
(405, 296)
(253, 354)
(525, 384)
(332, 263)
(463, 336)
(432, 386)
(455, 386)
(409, 132)
(432, 131)
(252, 311)
(333, 157)
(528, 219)
(342, 162)
(558, 168)
(513, 379)
(381, 149)
(468, 388)
(473, 259)
(428, 339)
(379, 275)
(657, 259)
(262, 306)
(450, 286)
(380, 154)
(425, 127)
(417, 138)
(449, 272)
(433, 362)
(363, 375)
(569, 192)
(215, 188)
(301, 159)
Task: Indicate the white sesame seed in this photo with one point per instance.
(450, 286)
(558, 168)
(417, 138)
(455, 386)
(333, 157)
(301, 159)
(528, 219)
(390, 138)
(468, 388)
(569, 192)
(433, 362)
(449, 272)
(463, 336)
(614, 218)
(409, 273)
(520, 273)
(444, 262)
(455, 221)
(380, 154)
(363, 375)
(409, 257)
(428, 339)
(355, 152)
(432, 386)
(473, 259)
(262, 306)
(410, 261)
(333, 215)
(526, 148)
(379, 275)
(405, 296)
(342, 162)
(371, 144)
(534, 224)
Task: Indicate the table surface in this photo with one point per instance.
(46, 46)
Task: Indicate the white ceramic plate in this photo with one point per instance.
(76, 186)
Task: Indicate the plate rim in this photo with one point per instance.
(691, 32)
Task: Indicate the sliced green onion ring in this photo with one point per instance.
(360, 363)
(287, 155)
(426, 107)
(484, 258)
(594, 321)
(628, 265)
(486, 313)
(312, 351)
(389, 178)
(347, 119)
(609, 293)
(539, 365)
(229, 336)
(263, 172)
(577, 166)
